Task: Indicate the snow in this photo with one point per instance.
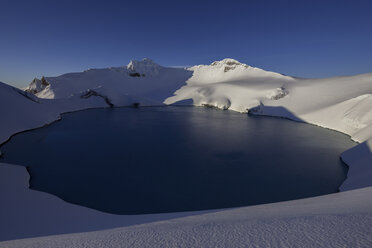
(339, 103)
(153, 83)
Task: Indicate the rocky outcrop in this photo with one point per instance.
(88, 93)
(37, 85)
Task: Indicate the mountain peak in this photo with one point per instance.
(228, 64)
(144, 66)
(227, 61)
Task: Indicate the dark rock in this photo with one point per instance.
(134, 74)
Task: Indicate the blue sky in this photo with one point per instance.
(300, 38)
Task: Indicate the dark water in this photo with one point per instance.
(165, 159)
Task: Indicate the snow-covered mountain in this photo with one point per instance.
(144, 81)
(229, 84)
(339, 103)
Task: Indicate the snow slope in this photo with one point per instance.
(20, 110)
